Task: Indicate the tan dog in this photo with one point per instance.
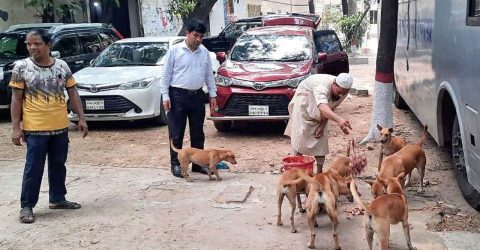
(291, 184)
(404, 161)
(342, 166)
(390, 144)
(203, 157)
(324, 190)
(383, 211)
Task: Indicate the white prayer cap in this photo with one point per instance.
(344, 80)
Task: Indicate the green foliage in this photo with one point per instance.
(181, 8)
(332, 18)
(353, 34)
(56, 7)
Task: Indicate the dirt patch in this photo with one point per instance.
(451, 218)
(259, 147)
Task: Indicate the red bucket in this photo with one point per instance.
(298, 161)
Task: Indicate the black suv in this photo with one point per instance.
(76, 44)
(224, 41)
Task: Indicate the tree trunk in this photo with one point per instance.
(382, 103)
(311, 7)
(48, 14)
(345, 7)
(201, 12)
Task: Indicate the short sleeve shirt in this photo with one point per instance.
(44, 107)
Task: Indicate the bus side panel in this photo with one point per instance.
(435, 46)
(415, 77)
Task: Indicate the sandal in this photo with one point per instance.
(26, 215)
(65, 205)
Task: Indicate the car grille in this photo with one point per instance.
(237, 105)
(113, 104)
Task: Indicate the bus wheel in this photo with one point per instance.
(470, 193)
(398, 100)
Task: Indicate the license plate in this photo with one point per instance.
(257, 110)
(94, 105)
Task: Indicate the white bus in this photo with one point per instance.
(437, 74)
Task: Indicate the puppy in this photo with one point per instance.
(203, 157)
(291, 185)
(390, 144)
(324, 190)
(384, 210)
(404, 161)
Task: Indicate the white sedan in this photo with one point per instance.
(123, 83)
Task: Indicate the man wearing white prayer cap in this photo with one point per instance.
(312, 106)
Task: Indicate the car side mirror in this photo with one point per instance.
(322, 57)
(55, 54)
(221, 57)
(92, 62)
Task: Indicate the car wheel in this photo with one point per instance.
(398, 100)
(223, 126)
(162, 118)
(468, 191)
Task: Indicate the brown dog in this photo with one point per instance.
(385, 210)
(203, 157)
(324, 190)
(404, 161)
(342, 166)
(291, 184)
(390, 143)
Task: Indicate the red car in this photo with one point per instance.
(259, 77)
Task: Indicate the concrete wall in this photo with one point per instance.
(18, 14)
(284, 6)
(217, 18)
(155, 19)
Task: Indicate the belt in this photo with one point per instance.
(186, 91)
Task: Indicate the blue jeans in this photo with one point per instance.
(38, 147)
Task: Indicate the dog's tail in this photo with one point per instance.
(356, 196)
(173, 147)
(310, 180)
(424, 136)
(292, 182)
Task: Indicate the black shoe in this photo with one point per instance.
(177, 171)
(198, 169)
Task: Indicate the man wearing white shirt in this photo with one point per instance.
(187, 68)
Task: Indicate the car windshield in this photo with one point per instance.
(12, 46)
(132, 54)
(271, 48)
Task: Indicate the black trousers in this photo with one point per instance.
(186, 104)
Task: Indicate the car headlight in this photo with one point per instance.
(140, 84)
(293, 83)
(223, 81)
